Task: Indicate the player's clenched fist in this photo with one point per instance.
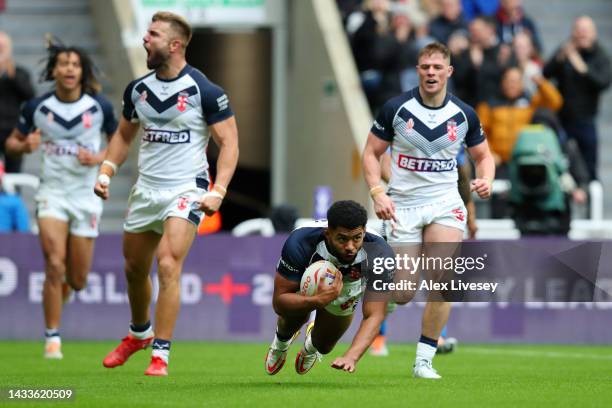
(101, 187)
(328, 293)
(210, 202)
(32, 141)
(482, 187)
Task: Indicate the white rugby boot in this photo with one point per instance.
(277, 355)
(423, 369)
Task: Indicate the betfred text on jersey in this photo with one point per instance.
(421, 164)
(166, 136)
(65, 149)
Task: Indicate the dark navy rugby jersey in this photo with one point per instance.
(307, 245)
(425, 142)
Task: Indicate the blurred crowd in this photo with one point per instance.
(496, 51)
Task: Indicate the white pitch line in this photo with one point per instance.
(533, 353)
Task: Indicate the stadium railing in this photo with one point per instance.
(12, 181)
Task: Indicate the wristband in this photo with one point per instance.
(111, 165)
(374, 191)
(214, 194)
(104, 180)
(220, 189)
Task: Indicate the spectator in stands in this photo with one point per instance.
(582, 70)
(347, 7)
(503, 117)
(511, 20)
(372, 42)
(448, 22)
(478, 69)
(13, 212)
(410, 34)
(475, 8)
(15, 88)
(528, 60)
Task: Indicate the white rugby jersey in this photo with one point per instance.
(175, 115)
(65, 127)
(425, 142)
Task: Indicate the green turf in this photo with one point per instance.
(214, 374)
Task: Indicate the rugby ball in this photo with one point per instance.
(320, 270)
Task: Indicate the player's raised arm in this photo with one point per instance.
(287, 302)
(225, 135)
(116, 154)
(485, 169)
(373, 316)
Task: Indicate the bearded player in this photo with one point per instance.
(179, 110)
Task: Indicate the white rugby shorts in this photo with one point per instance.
(80, 209)
(148, 208)
(412, 220)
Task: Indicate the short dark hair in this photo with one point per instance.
(55, 47)
(433, 48)
(347, 214)
(487, 20)
(179, 25)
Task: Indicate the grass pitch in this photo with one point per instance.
(214, 374)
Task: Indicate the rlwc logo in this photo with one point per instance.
(425, 165)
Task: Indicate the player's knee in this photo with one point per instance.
(402, 297)
(77, 283)
(168, 265)
(323, 348)
(56, 268)
(168, 271)
(134, 272)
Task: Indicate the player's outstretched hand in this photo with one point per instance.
(345, 363)
(210, 202)
(327, 294)
(33, 141)
(482, 187)
(101, 187)
(384, 207)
